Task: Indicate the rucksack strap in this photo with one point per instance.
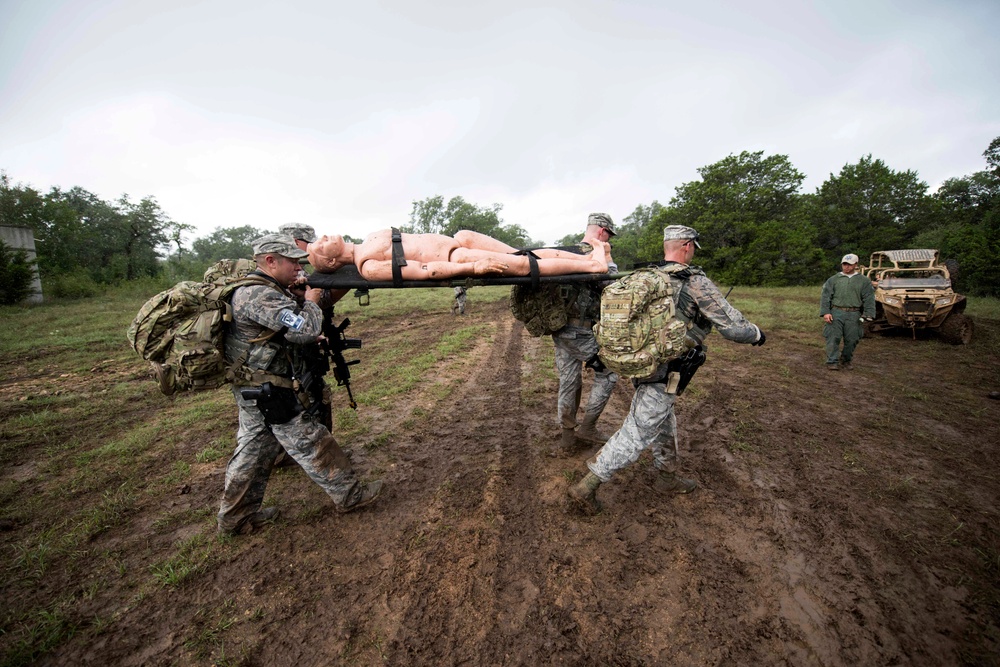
(398, 258)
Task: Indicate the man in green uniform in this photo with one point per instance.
(847, 302)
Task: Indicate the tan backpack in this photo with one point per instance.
(639, 329)
(181, 331)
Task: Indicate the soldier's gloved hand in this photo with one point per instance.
(760, 341)
(595, 363)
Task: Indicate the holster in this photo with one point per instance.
(278, 405)
(685, 366)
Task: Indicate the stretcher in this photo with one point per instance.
(347, 277)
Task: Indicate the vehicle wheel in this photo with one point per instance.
(957, 329)
(953, 272)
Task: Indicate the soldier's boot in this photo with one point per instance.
(254, 522)
(567, 446)
(588, 429)
(670, 483)
(361, 495)
(584, 494)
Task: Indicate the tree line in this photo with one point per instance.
(756, 226)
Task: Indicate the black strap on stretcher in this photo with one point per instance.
(532, 265)
(398, 258)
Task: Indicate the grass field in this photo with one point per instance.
(88, 444)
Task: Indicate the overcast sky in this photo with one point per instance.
(341, 114)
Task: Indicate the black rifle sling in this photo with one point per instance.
(398, 258)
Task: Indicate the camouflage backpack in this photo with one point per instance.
(181, 331)
(226, 268)
(639, 328)
(544, 310)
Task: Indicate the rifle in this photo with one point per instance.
(333, 347)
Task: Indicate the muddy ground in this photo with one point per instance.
(841, 519)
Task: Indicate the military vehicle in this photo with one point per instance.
(913, 290)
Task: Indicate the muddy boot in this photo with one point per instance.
(669, 482)
(360, 496)
(584, 494)
(567, 446)
(254, 522)
(588, 430)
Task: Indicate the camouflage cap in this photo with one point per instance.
(278, 244)
(602, 220)
(298, 232)
(680, 232)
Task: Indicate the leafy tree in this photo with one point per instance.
(570, 239)
(992, 155)
(226, 243)
(433, 216)
(77, 232)
(20, 205)
(16, 275)
(969, 227)
(750, 220)
(627, 244)
(869, 207)
(145, 231)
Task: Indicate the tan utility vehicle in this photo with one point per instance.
(913, 291)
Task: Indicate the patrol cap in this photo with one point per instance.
(298, 232)
(680, 232)
(849, 258)
(602, 220)
(278, 244)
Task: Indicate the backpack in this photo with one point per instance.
(544, 310)
(181, 330)
(226, 268)
(639, 329)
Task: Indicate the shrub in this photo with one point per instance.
(16, 275)
(72, 286)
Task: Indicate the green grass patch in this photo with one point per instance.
(40, 633)
(405, 376)
(192, 557)
(209, 454)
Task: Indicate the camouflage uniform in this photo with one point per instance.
(575, 345)
(257, 311)
(650, 422)
(460, 298)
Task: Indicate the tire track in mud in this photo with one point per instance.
(446, 597)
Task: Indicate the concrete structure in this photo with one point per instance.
(23, 238)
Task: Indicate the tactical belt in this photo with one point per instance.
(850, 310)
(576, 322)
(398, 258)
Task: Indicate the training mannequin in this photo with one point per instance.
(435, 256)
